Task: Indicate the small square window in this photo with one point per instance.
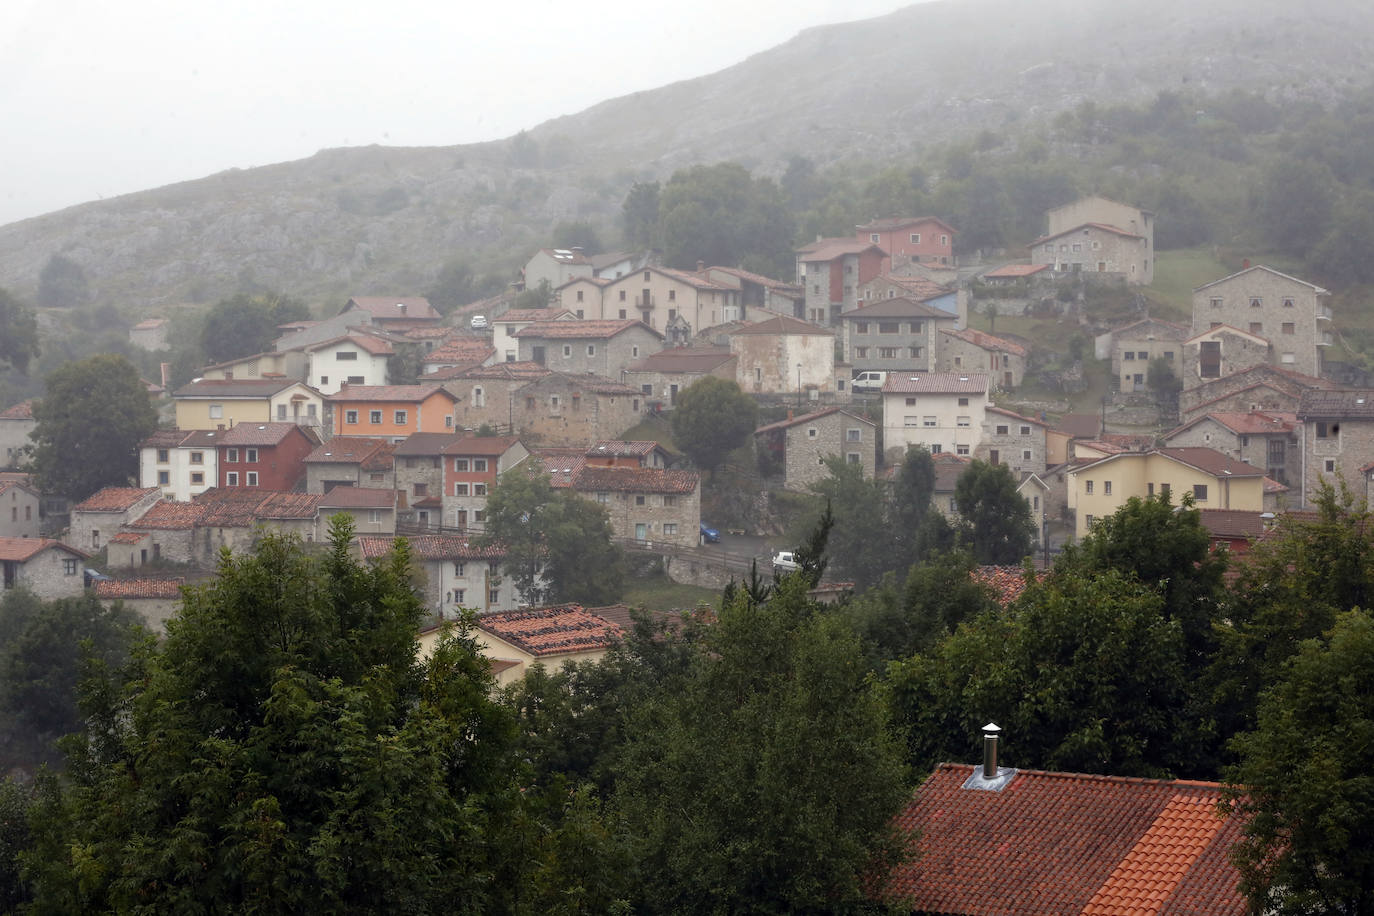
(231, 456)
(402, 417)
(164, 478)
(853, 435)
(197, 457)
(479, 489)
(639, 499)
(350, 417)
(479, 464)
(251, 456)
(1088, 487)
(374, 417)
(811, 432)
(162, 456)
(216, 411)
(1200, 492)
(197, 479)
(251, 478)
(69, 567)
(460, 489)
(1106, 488)
(231, 479)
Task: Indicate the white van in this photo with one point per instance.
(872, 380)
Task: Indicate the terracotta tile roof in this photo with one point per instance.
(358, 498)
(544, 314)
(1067, 843)
(462, 349)
(692, 279)
(1103, 446)
(1254, 423)
(1273, 486)
(935, 383)
(1234, 523)
(1312, 286)
(1007, 582)
(424, 445)
(373, 345)
(889, 223)
(985, 341)
(623, 448)
(431, 547)
(1080, 425)
(1013, 271)
(917, 288)
(1211, 461)
(1352, 404)
(1003, 412)
(110, 589)
(481, 445)
(565, 255)
(21, 411)
(20, 550)
(150, 324)
(523, 370)
(165, 438)
(289, 505)
(235, 387)
(811, 418)
(597, 384)
(684, 359)
(345, 450)
(561, 464)
(228, 507)
(830, 249)
(784, 326)
(589, 329)
(896, 307)
(1081, 226)
(948, 467)
(113, 499)
(259, 434)
(408, 394)
(1171, 330)
(394, 307)
(426, 333)
(759, 279)
(1131, 442)
(382, 459)
(128, 537)
(171, 516)
(551, 630)
(600, 479)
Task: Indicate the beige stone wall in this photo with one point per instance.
(589, 356)
(84, 525)
(19, 513)
(1238, 353)
(665, 518)
(809, 444)
(1019, 445)
(1288, 313)
(1097, 251)
(47, 577)
(1347, 446)
(955, 355)
(548, 415)
(1252, 449)
(483, 401)
(14, 437)
(1131, 357)
(768, 364)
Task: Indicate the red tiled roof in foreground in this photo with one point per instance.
(558, 630)
(1068, 843)
(1007, 582)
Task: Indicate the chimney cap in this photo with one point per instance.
(991, 728)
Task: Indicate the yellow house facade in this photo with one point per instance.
(211, 403)
(515, 641)
(1213, 480)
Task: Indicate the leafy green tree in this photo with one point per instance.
(1301, 788)
(577, 234)
(558, 545)
(898, 620)
(62, 284)
(90, 421)
(995, 519)
(639, 215)
(536, 297)
(723, 215)
(1297, 200)
(1292, 587)
(283, 751)
(1163, 546)
(768, 781)
(243, 325)
(713, 417)
(18, 332)
(44, 648)
(1165, 385)
(1084, 673)
(858, 506)
(16, 803)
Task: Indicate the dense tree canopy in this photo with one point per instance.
(243, 325)
(722, 215)
(994, 518)
(62, 283)
(1303, 783)
(558, 545)
(711, 418)
(18, 332)
(725, 816)
(283, 751)
(90, 420)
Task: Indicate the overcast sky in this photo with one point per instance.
(101, 98)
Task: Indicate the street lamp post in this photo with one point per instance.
(799, 399)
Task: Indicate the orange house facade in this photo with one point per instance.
(391, 411)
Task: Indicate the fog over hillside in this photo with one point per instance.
(375, 219)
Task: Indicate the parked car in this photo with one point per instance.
(478, 323)
(785, 559)
(872, 380)
(709, 535)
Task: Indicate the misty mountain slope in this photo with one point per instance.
(374, 220)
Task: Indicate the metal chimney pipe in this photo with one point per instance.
(990, 733)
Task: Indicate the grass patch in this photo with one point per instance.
(649, 430)
(1178, 273)
(659, 593)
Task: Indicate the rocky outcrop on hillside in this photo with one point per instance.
(376, 220)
